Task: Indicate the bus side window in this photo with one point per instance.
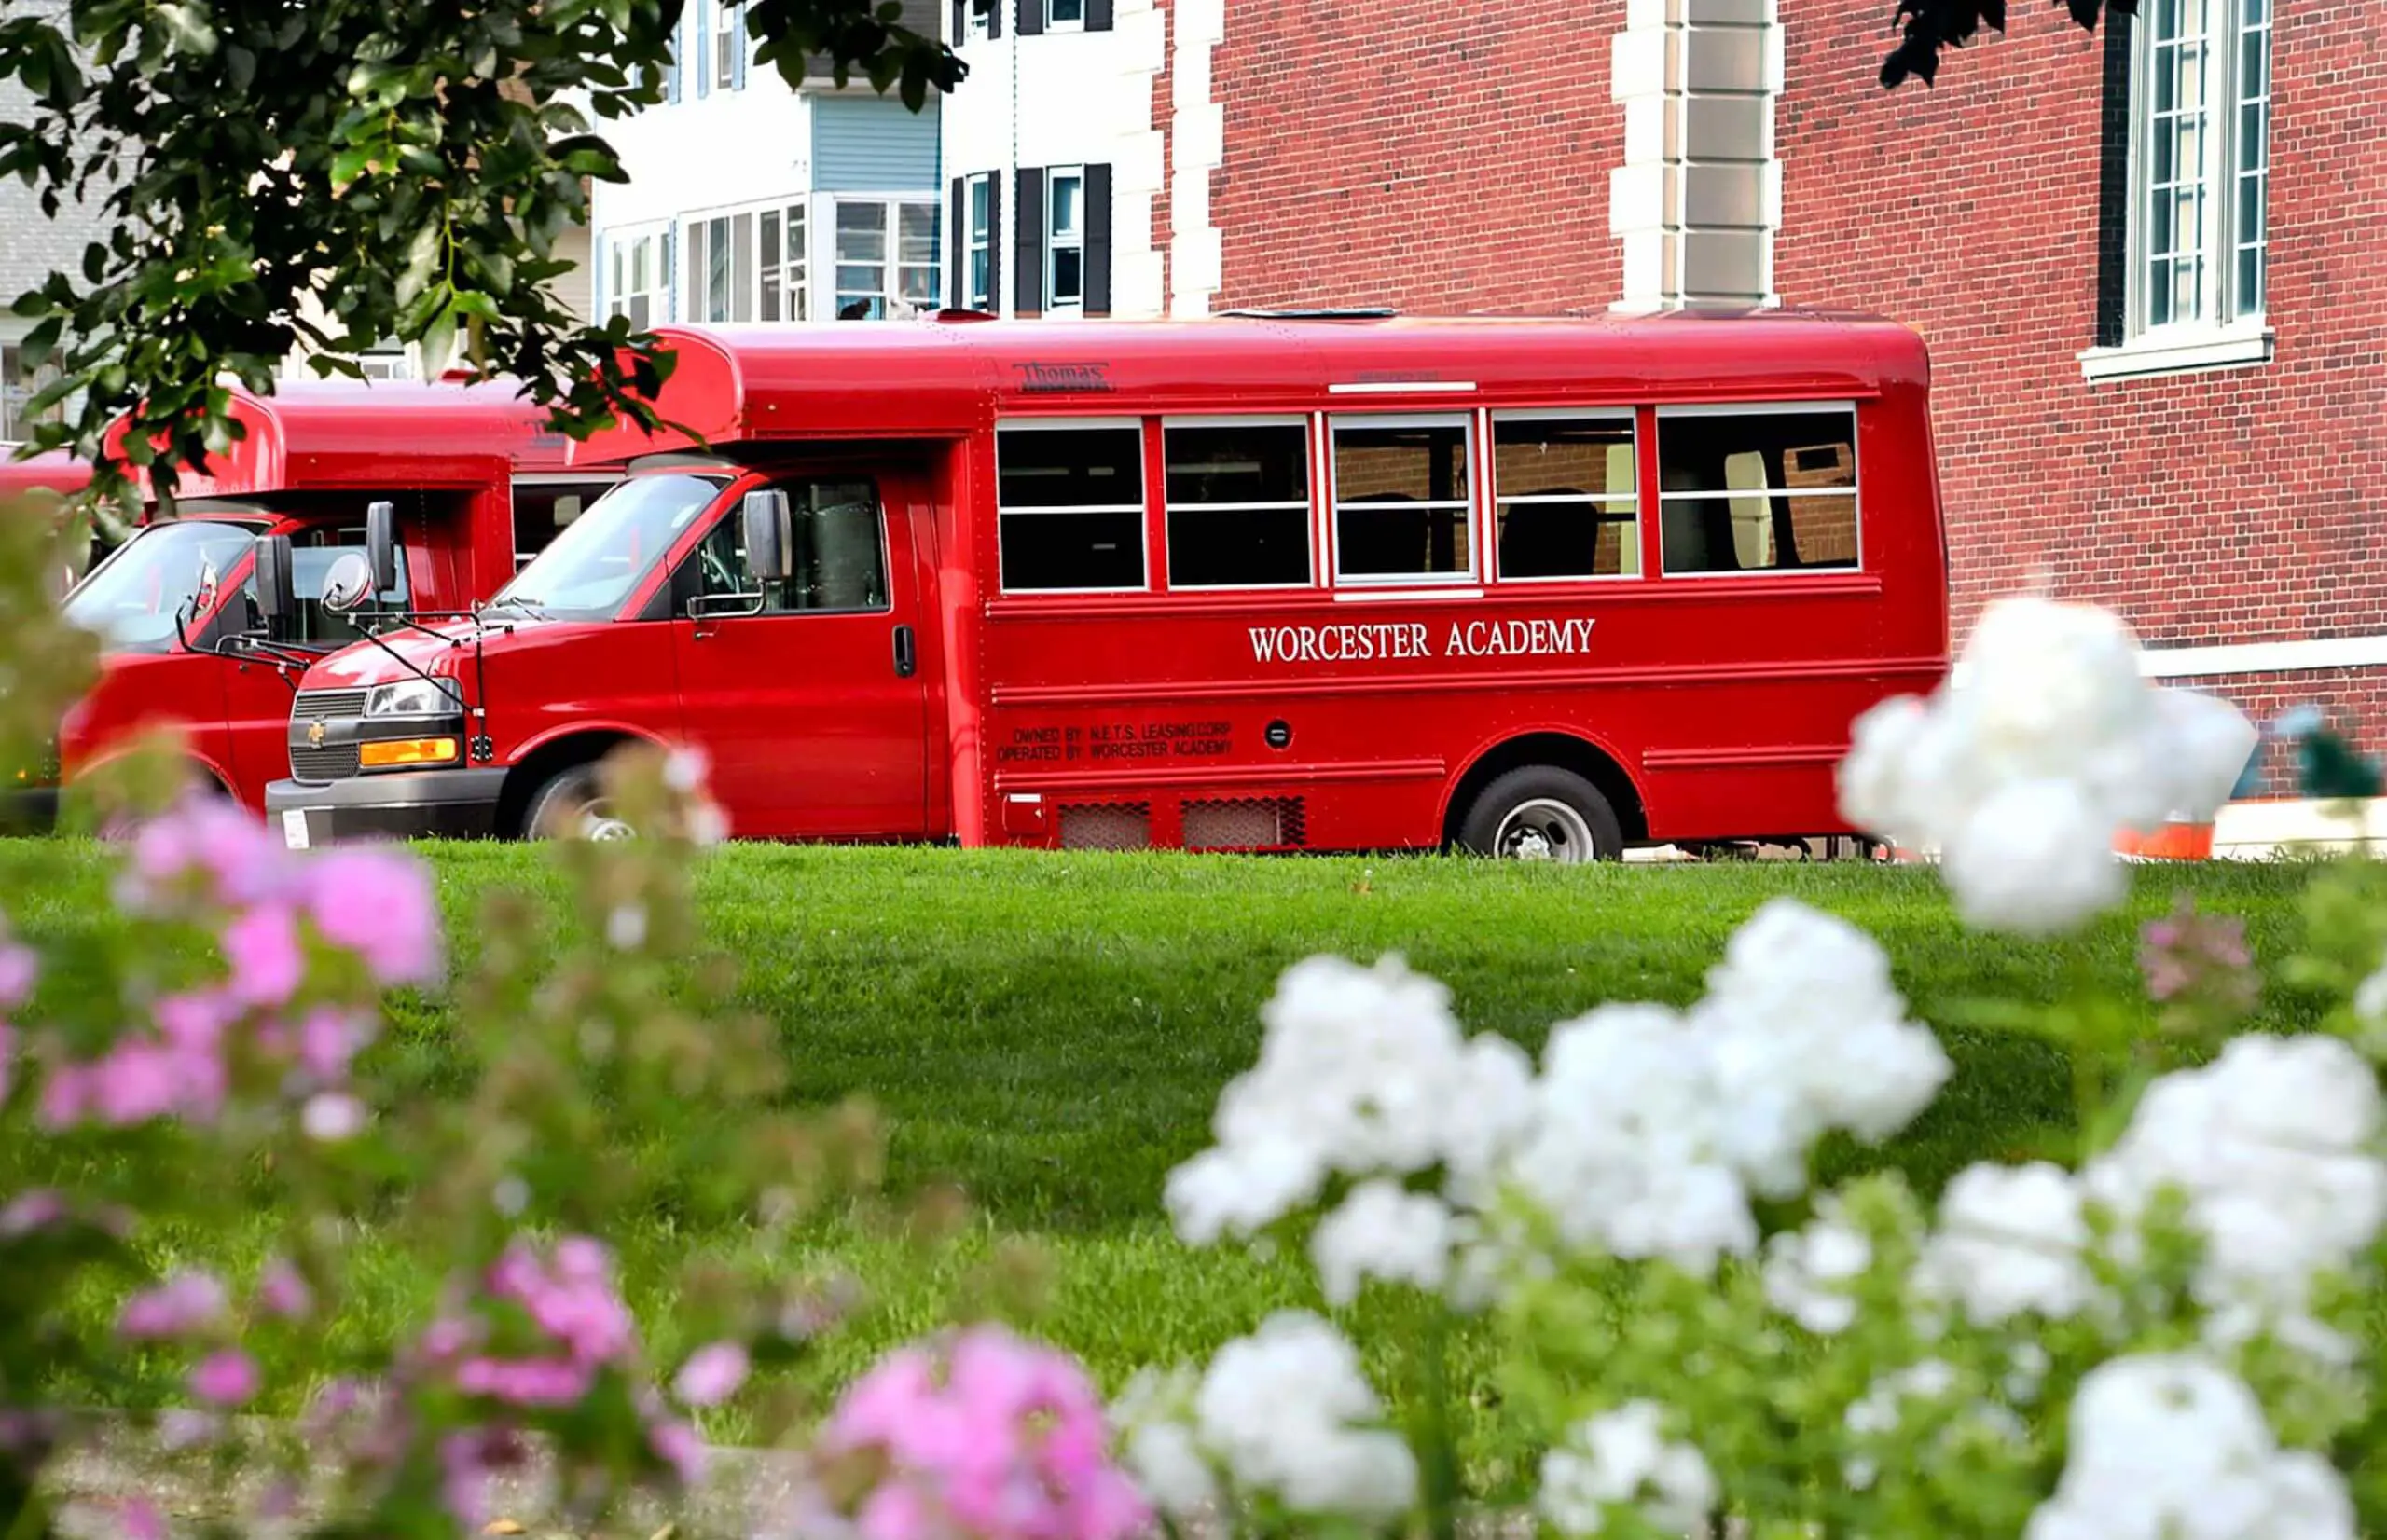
(1070, 507)
(837, 547)
(1563, 497)
(1757, 491)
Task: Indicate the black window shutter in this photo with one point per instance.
(1027, 244)
(2112, 187)
(957, 246)
(1098, 239)
(994, 243)
(960, 20)
(1031, 17)
(993, 17)
(1097, 15)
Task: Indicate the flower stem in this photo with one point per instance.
(1441, 1471)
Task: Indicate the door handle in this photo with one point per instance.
(904, 660)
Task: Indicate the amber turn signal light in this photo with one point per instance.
(391, 753)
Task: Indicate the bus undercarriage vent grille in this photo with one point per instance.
(1245, 823)
(1107, 826)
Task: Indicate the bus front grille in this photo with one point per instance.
(333, 761)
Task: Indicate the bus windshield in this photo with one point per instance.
(131, 599)
(590, 569)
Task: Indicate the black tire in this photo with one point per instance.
(561, 808)
(1497, 804)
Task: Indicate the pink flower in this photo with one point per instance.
(181, 1428)
(226, 1378)
(574, 1303)
(195, 1023)
(331, 1118)
(282, 1291)
(526, 1381)
(2198, 962)
(267, 961)
(377, 904)
(184, 1303)
(328, 1039)
(140, 1519)
(210, 841)
(135, 1082)
(18, 967)
(680, 1447)
(29, 1211)
(464, 1480)
(1004, 1441)
(713, 1374)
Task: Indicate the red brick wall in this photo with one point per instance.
(2353, 699)
(1163, 114)
(1440, 159)
(2225, 506)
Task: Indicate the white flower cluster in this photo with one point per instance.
(1363, 1073)
(1883, 1412)
(2269, 1145)
(2022, 775)
(1284, 1411)
(1623, 1458)
(2010, 1240)
(1653, 1127)
(1808, 1272)
(2272, 1145)
(2172, 1446)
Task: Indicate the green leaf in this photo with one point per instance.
(423, 261)
(188, 28)
(439, 340)
(39, 343)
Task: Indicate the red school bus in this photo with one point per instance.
(1540, 588)
(38, 482)
(474, 474)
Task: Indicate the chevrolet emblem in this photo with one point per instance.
(315, 735)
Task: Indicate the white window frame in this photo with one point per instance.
(1855, 492)
(726, 36)
(2220, 333)
(977, 19)
(1308, 507)
(1054, 23)
(620, 256)
(1494, 500)
(1141, 508)
(977, 243)
(892, 266)
(1473, 503)
(794, 270)
(18, 386)
(1057, 242)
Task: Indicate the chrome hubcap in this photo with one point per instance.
(1544, 830)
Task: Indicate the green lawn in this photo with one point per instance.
(1051, 1030)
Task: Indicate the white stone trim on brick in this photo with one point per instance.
(1699, 195)
(1198, 147)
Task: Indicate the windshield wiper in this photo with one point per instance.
(515, 601)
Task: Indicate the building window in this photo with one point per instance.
(1402, 500)
(728, 45)
(18, 385)
(1238, 505)
(1063, 15)
(1748, 489)
(2200, 164)
(1563, 501)
(634, 279)
(1065, 241)
(886, 260)
(748, 264)
(979, 276)
(1070, 507)
(386, 360)
(978, 19)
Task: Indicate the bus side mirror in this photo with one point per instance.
(382, 545)
(766, 536)
(276, 598)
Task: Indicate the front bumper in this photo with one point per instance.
(390, 804)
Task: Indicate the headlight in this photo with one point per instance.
(414, 697)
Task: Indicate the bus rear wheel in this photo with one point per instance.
(573, 805)
(1539, 812)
